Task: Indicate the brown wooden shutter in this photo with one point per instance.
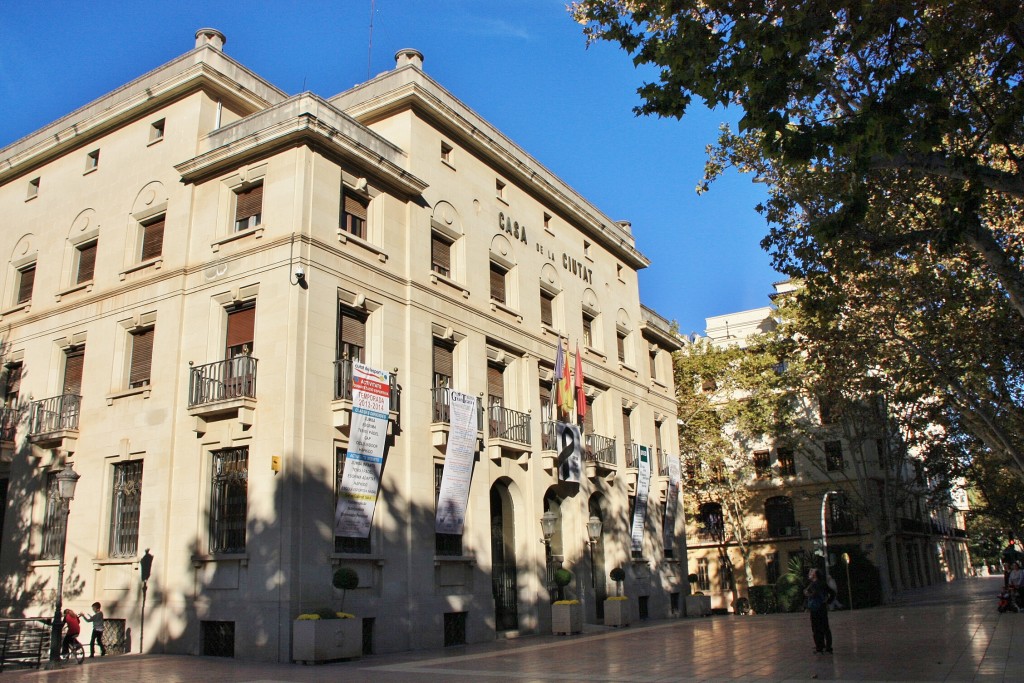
(588, 419)
(497, 284)
(142, 358)
(545, 394)
(495, 384)
(440, 255)
(355, 206)
(353, 328)
(13, 384)
(86, 262)
(620, 342)
(249, 202)
(442, 359)
(546, 315)
(26, 281)
(74, 361)
(241, 325)
(626, 434)
(152, 239)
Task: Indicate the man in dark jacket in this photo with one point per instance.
(819, 595)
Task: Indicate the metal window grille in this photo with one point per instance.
(115, 638)
(703, 574)
(124, 515)
(787, 466)
(778, 513)
(762, 465)
(833, 455)
(55, 521)
(344, 544)
(228, 502)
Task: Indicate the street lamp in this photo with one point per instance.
(65, 493)
(824, 532)
(594, 534)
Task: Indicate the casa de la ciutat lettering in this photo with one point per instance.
(517, 231)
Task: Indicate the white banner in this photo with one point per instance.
(368, 429)
(674, 474)
(643, 484)
(458, 464)
(569, 443)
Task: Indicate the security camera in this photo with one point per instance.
(300, 274)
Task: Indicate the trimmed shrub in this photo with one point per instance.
(763, 600)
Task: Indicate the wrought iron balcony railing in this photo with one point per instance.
(599, 449)
(54, 414)
(343, 384)
(8, 423)
(508, 424)
(222, 380)
(441, 412)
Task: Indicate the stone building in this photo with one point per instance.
(195, 263)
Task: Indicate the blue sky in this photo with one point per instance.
(521, 64)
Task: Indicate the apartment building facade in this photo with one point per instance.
(197, 265)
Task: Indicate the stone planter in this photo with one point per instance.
(321, 640)
(616, 612)
(697, 605)
(566, 619)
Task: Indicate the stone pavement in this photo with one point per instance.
(950, 632)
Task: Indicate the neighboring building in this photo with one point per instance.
(195, 260)
(785, 513)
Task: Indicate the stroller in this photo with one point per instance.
(1007, 601)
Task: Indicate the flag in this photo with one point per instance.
(581, 396)
(563, 391)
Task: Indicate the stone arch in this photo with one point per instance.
(550, 279)
(445, 216)
(149, 198)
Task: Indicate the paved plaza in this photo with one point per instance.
(944, 633)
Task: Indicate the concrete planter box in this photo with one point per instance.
(321, 640)
(566, 619)
(697, 605)
(616, 612)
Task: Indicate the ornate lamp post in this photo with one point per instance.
(547, 528)
(593, 534)
(66, 481)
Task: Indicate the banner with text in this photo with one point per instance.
(643, 484)
(569, 449)
(674, 473)
(364, 459)
(458, 464)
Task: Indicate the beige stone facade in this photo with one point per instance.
(192, 261)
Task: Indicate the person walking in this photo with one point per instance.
(819, 595)
(97, 630)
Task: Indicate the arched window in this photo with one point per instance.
(778, 513)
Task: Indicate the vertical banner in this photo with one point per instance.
(368, 429)
(458, 464)
(674, 474)
(569, 448)
(643, 484)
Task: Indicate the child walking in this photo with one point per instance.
(97, 630)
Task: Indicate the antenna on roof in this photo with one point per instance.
(369, 48)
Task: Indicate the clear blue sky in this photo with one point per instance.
(521, 64)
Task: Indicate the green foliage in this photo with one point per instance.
(345, 578)
(763, 600)
(867, 586)
(617, 574)
(789, 589)
(562, 577)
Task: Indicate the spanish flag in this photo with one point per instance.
(564, 388)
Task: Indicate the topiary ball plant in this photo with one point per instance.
(563, 577)
(345, 579)
(618, 575)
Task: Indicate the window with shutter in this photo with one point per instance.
(351, 334)
(497, 283)
(26, 282)
(546, 309)
(627, 436)
(495, 386)
(588, 330)
(620, 342)
(546, 412)
(12, 385)
(353, 214)
(142, 358)
(86, 262)
(249, 207)
(152, 239)
(240, 331)
(440, 255)
(588, 419)
(442, 364)
(74, 362)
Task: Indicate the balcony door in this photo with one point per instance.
(241, 327)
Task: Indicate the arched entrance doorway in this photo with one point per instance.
(504, 585)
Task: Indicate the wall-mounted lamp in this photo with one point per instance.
(547, 527)
(594, 535)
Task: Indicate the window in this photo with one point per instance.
(840, 518)
(26, 282)
(446, 152)
(834, 456)
(618, 271)
(444, 544)
(351, 333)
(33, 188)
(86, 262)
(440, 255)
(156, 131)
(547, 316)
(125, 506)
(771, 568)
(229, 500)
(74, 364)
(92, 160)
(654, 361)
(880, 449)
(547, 221)
(787, 466)
(249, 207)
(498, 283)
(724, 573)
(588, 330)
(12, 385)
(141, 358)
(711, 522)
(778, 514)
(54, 521)
(828, 408)
(586, 248)
(620, 344)
(499, 189)
(152, 238)
(241, 330)
(703, 574)
(344, 544)
(762, 465)
(627, 439)
(353, 213)
(443, 367)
